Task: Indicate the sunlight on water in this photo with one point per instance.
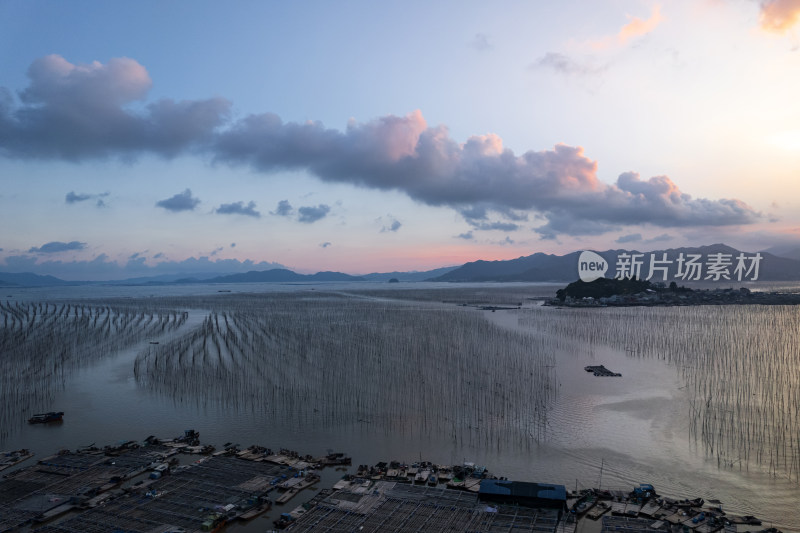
(739, 364)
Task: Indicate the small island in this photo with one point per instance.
(605, 292)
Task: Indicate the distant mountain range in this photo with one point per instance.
(408, 276)
(789, 252)
(536, 267)
(26, 279)
(162, 278)
(559, 268)
(275, 275)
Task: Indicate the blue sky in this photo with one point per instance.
(143, 138)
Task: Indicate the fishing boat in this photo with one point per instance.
(43, 418)
(584, 503)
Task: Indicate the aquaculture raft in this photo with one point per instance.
(111, 489)
(9, 459)
(602, 371)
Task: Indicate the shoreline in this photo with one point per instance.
(156, 480)
(684, 298)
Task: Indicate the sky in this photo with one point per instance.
(146, 138)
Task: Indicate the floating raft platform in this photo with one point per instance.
(141, 487)
(372, 506)
(602, 371)
(377, 499)
(9, 459)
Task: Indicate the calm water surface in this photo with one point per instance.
(636, 427)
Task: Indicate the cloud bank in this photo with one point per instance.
(57, 247)
(76, 112)
(403, 153)
(79, 112)
(103, 268)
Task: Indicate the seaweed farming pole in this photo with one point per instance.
(600, 482)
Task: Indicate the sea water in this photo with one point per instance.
(599, 432)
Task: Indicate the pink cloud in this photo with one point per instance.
(779, 15)
(636, 27)
(79, 112)
(391, 136)
(120, 81)
(484, 145)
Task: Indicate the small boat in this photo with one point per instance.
(283, 521)
(746, 520)
(583, 504)
(433, 480)
(697, 502)
(445, 474)
(43, 418)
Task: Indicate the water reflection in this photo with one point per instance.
(41, 343)
(332, 360)
(399, 374)
(739, 365)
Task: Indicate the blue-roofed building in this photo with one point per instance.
(644, 490)
(526, 494)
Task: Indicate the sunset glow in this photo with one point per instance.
(353, 146)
